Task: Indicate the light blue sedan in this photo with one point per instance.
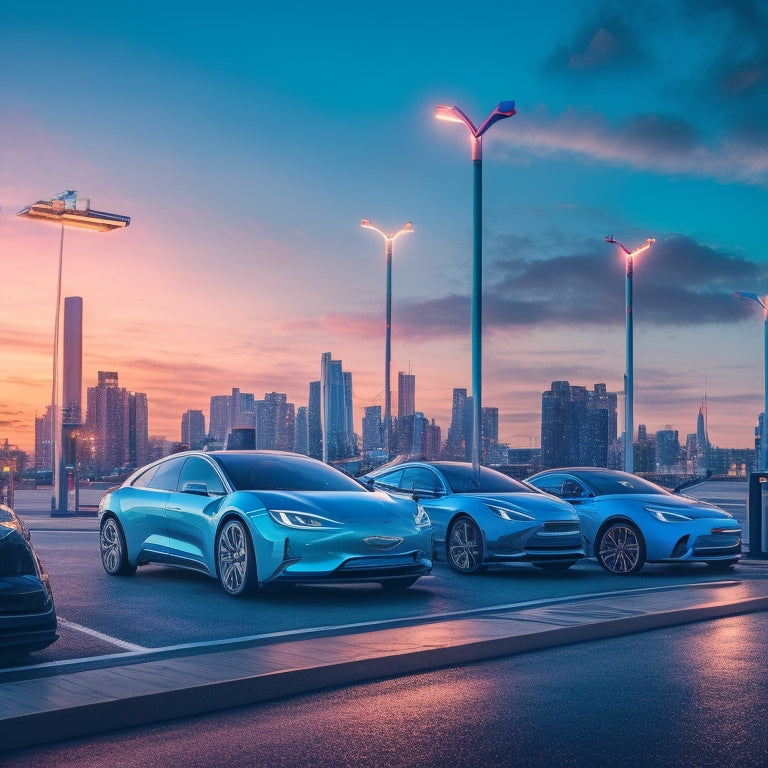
(629, 521)
(249, 518)
(485, 519)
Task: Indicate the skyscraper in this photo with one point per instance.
(218, 419)
(138, 429)
(458, 445)
(73, 361)
(336, 410)
(373, 432)
(406, 394)
(315, 421)
(107, 420)
(275, 422)
(301, 439)
(193, 429)
(577, 425)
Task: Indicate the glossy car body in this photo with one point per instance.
(629, 521)
(27, 613)
(497, 521)
(249, 518)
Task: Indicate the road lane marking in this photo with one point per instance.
(101, 636)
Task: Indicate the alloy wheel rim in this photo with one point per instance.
(111, 551)
(620, 549)
(232, 556)
(464, 547)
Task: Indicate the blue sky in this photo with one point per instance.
(247, 142)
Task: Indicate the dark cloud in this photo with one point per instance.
(676, 282)
(604, 42)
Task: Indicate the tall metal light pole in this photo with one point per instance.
(454, 114)
(629, 429)
(388, 240)
(66, 211)
(764, 432)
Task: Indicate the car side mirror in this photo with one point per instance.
(196, 489)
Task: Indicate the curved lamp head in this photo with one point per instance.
(407, 227)
(456, 115)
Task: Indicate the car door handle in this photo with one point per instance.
(174, 509)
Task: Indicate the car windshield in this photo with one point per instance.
(606, 483)
(269, 472)
(461, 478)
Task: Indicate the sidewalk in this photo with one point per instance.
(82, 703)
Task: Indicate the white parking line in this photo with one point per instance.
(102, 636)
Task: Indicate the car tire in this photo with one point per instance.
(464, 547)
(235, 559)
(114, 554)
(620, 549)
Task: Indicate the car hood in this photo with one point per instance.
(683, 504)
(341, 506)
(536, 504)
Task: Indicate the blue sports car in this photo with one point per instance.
(629, 521)
(248, 518)
(484, 520)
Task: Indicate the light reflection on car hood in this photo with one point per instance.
(341, 506)
(532, 503)
(684, 504)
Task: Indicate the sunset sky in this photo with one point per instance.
(246, 142)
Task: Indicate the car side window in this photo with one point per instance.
(572, 489)
(551, 484)
(198, 470)
(166, 476)
(389, 481)
(420, 479)
(144, 479)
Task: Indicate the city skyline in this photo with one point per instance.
(246, 156)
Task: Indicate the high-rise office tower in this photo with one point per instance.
(459, 443)
(301, 439)
(43, 444)
(275, 420)
(314, 422)
(577, 425)
(218, 419)
(489, 431)
(193, 429)
(138, 429)
(336, 410)
(107, 421)
(72, 384)
(373, 432)
(406, 394)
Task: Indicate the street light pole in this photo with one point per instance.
(455, 115)
(66, 210)
(388, 241)
(764, 431)
(629, 429)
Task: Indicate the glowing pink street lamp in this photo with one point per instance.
(629, 459)
(388, 241)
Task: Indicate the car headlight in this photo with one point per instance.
(667, 515)
(301, 520)
(421, 518)
(506, 513)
